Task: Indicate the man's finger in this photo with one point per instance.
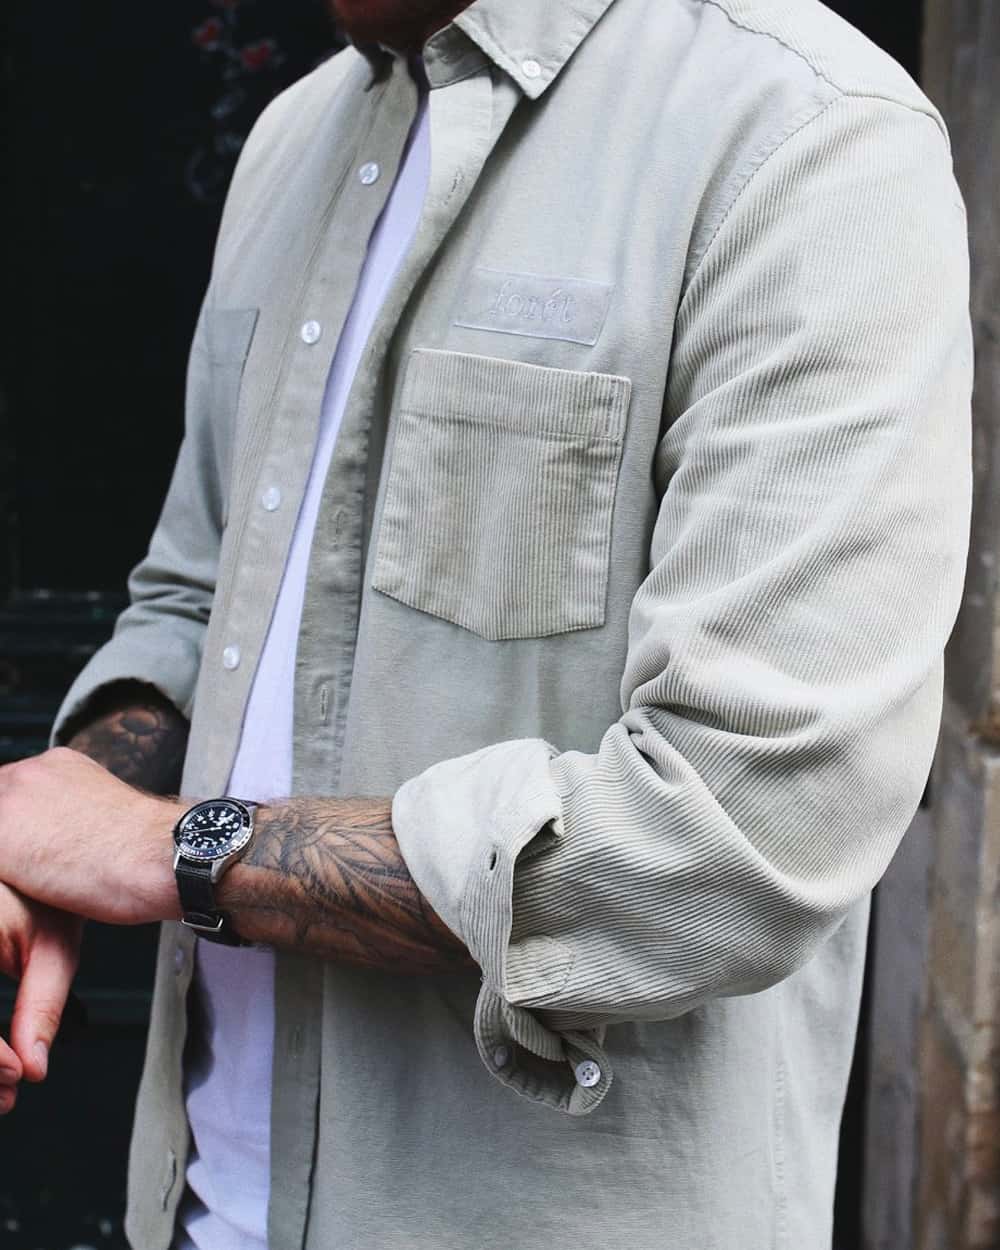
(10, 1065)
(41, 998)
(10, 1074)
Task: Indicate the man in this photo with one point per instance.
(572, 511)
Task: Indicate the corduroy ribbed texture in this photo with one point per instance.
(498, 507)
(782, 688)
(655, 834)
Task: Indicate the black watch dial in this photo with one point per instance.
(213, 829)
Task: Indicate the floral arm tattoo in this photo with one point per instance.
(323, 876)
(135, 733)
(326, 876)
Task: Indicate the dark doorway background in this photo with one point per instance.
(121, 125)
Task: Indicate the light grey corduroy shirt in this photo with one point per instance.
(640, 544)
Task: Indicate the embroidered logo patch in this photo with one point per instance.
(572, 309)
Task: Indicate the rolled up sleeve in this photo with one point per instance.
(781, 695)
(158, 638)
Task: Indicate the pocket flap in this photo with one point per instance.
(522, 397)
(228, 334)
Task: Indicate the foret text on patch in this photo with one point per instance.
(572, 309)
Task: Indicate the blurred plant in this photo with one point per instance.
(249, 76)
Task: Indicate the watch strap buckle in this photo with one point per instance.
(202, 922)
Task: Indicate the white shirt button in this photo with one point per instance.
(531, 69)
(271, 498)
(587, 1073)
(310, 332)
(178, 961)
(369, 172)
(501, 1057)
(231, 656)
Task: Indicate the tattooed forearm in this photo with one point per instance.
(326, 876)
(136, 734)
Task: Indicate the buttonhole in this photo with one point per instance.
(493, 860)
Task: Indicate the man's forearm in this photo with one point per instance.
(326, 876)
(323, 876)
(135, 733)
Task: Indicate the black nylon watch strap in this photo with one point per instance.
(194, 884)
(197, 895)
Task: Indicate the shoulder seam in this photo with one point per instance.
(752, 174)
(931, 113)
(767, 156)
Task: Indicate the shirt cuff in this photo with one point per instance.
(171, 665)
(462, 826)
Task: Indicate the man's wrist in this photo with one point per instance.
(153, 865)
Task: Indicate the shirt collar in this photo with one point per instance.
(531, 40)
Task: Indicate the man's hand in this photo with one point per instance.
(74, 837)
(71, 834)
(40, 947)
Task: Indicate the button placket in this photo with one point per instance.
(327, 639)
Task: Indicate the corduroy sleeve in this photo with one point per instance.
(782, 688)
(158, 638)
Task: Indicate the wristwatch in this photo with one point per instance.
(208, 839)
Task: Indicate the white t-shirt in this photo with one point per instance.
(228, 1079)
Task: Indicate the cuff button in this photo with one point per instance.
(501, 1057)
(587, 1073)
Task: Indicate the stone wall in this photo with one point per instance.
(933, 1141)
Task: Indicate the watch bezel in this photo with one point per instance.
(235, 843)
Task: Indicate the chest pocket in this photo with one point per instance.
(228, 335)
(498, 504)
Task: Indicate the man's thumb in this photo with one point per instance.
(41, 998)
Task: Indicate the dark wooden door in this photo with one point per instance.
(121, 124)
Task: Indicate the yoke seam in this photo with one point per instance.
(769, 34)
(821, 73)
